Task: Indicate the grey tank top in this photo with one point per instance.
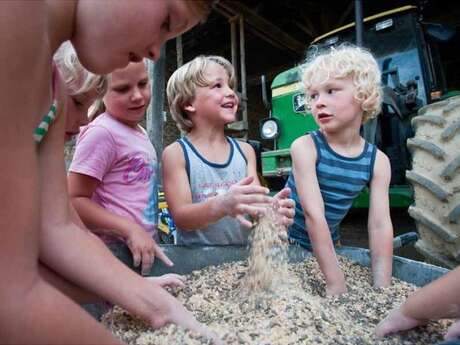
(209, 179)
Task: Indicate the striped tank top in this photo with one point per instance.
(209, 179)
(340, 180)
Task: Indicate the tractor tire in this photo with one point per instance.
(435, 177)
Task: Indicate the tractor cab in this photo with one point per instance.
(407, 50)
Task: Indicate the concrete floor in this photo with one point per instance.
(354, 230)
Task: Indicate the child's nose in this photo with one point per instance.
(136, 95)
(319, 101)
(154, 52)
(230, 92)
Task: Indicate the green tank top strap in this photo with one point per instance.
(47, 120)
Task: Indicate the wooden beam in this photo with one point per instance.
(345, 15)
(305, 29)
(261, 24)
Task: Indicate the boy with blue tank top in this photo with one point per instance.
(210, 180)
(332, 165)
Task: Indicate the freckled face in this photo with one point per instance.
(110, 34)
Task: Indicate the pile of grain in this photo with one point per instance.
(297, 314)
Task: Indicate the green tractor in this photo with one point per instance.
(418, 129)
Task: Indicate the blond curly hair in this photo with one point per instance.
(77, 79)
(183, 83)
(345, 61)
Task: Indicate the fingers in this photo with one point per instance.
(453, 332)
(396, 321)
(383, 328)
(174, 280)
(253, 211)
(286, 203)
(285, 222)
(136, 253)
(283, 193)
(246, 181)
(243, 221)
(287, 212)
(162, 256)
(253, 189)
(147, 262)
(251, 199)
(336, 290)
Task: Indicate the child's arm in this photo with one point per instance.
(303, 153)
(438, 300)
(240, 199)
(141, 244)
(32, 310)
(285, 205)
(379, 223)
(75, 255)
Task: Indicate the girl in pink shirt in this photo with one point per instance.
(113, 175)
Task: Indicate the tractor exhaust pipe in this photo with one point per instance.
(359, 22)
(263, 82)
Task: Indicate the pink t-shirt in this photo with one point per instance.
(124, 160)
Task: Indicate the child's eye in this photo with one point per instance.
(121, 89)
(77, 103)
(143, 84)
(313, 96)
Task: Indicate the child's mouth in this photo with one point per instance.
(137, 108)
(229, 105)
(324, 116)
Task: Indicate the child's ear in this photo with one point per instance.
(189, 108)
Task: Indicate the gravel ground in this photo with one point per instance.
(297, 313)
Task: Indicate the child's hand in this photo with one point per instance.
(174, 312)
(396, 321)
(170, 279)
(453, 333)
(244, 198)
(144, 249)
(336, 289)
(285, 207)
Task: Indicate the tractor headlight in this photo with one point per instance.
(269, 128)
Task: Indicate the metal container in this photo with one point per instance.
(187, 259)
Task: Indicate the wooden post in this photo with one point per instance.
(155, 112)
(244, 96)
(233, 22)
(179, 53)
(359, 22)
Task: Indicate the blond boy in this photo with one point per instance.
(332, 165)
(210, 179)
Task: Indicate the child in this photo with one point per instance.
(438, 300)
(114, 188)
(332, 165)
(210, 180)
(83, 88)
(34, 208)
